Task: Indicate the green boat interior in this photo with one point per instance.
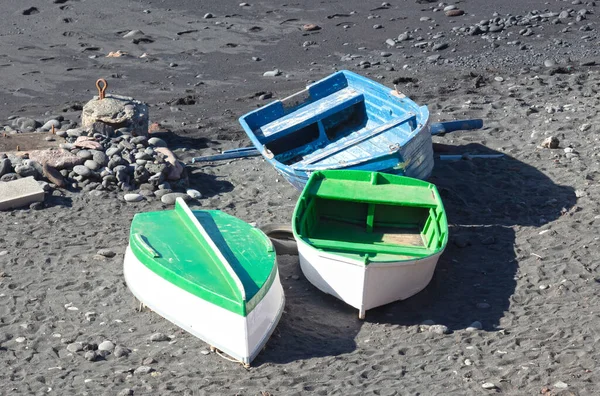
(370, 217)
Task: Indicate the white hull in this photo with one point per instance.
(240, 337)
(365, 287)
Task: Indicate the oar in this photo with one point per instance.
(440, 128)
(229, 154)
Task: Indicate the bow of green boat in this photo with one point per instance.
(210, 254)
(371, 216)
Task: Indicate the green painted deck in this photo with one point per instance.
(170, 244)
(371, 216)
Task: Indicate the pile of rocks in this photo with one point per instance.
(112, 151)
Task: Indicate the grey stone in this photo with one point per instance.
(156, 168)
(49, 124)
(133, 197)
(439, 329)
(125, 392)
(563, 15)
(75, 347)
(75, 132)
(25, 123)
(440, 46)
(475, 326)
(161, 193)
(106, 253)
(9, 177)
(5, 166)
(85, 154)
(26, 171)
(91, 164)
(121, 351)
(113, 150)
(272, 73)
(143, 370)
(100, 157)
(157, 337)
(195, 194)
(403, 37)
(106, 346)
(90, 355)
(82, 170)
(169, 199)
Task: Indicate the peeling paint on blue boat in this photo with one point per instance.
(344, 121)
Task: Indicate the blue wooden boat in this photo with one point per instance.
(344, 121)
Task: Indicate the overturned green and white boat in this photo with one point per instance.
(209, 273)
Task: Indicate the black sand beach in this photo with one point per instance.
(523, 260)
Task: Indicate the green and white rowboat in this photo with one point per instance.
(369, 238)
(209, 273)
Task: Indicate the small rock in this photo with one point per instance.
(439, 329)
(82, 170)
(106, 346)
(488, 385)
(148, 361)
(390, 42)
(143, 370)
(475, 326)
(195, 194)
(169, 199)
(208, 15)
(158, 337)
(20, 339)
(75, 347)
(560, 385)
(51, 123)
(92, 165)
(121, 351)
(90, 356)
(499, 79)
(133, 197)
(309, 27)
(454, 12)
(549, 63)
(483, 305)
(157, 142)
(272, 73)
(205, 352)
(468, 362)
(440, 46)
(125, 392)
(106, 253)
(551, 142)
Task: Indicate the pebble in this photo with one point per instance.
(106, 253)
(439, 329)
(454, 12)
(272, 73)
(75, 347)
(205, 352)
(143, 370)
(133, 197)
(440, 46)
(310, 27)
(48, 125)
(468, 362)
(390, 42)
(106, 346)
(90, 356)
(483, 305)
(560, 385)
(82, 170)
(20, 339)
(488, 385)
(549, 63)
(499, 79)
(450, 7)
(92, 165)
(208, 15)
(475, 326)
(169, 199)
(157, 142)
(121, 351)
(195, 194)
(551, 142)
(158, 337)
(148, 361)
(403, 37)
(125, 392)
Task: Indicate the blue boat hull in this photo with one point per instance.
(344, 121)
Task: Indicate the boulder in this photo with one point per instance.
(116, 112)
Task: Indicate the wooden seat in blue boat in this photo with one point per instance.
(309, 114)
(352, 140)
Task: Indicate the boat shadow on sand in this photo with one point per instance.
(486, 201)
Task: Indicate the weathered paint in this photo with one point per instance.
(344, 121)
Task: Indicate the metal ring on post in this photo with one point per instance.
(101, 89)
